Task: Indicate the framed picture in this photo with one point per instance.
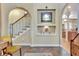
(46, 16)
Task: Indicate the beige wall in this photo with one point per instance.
(32, 8)
(58, 8)
(0, 19)
(6, 8)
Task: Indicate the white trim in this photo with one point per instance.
(61, 46)
(48, 45)
(22, 44)
(37, 45)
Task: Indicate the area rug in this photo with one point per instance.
(38, 54)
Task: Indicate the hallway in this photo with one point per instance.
(39, 29)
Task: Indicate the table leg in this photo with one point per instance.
(20, 52)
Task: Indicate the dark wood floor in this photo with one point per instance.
(55, 51)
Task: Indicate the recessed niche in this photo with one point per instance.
(46, 29)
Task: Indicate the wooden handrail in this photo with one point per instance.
(19, 19)
(14, 23)
(72, 42)
(11, 25)
(23, 15)
(75, 37)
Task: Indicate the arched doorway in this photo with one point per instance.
(69, 25)
(19, 26)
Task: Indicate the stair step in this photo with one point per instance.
(27, 26)
(20, 32)
(24, 28)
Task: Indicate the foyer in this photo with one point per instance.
(39, 29)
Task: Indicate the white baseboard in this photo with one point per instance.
(37, 45)
(23, 44)
(44, 45)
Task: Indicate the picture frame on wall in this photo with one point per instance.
(46, 15)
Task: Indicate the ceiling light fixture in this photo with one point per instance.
(69, 7)
(64, 17)
(25, 12)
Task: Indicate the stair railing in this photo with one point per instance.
(17, 26)
(71, 41)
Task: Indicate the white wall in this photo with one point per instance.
(5, 9)
(4, 20)
(32, 8)
(55, 38)
(0, 19)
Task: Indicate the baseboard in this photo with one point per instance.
(23, 44)
(38, 45)
(44, 45)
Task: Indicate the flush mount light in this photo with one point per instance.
(25, 12)
(64, 17)
(69, 7)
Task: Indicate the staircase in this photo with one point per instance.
(20, 31)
